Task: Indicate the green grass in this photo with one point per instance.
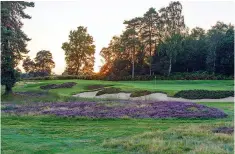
(168, 86)
(50, 134)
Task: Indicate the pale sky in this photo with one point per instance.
(52, 20)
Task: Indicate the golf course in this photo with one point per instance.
(27, 130)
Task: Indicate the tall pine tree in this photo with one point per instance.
(13, 40)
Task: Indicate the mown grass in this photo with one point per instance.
(168, 86)
(50, 134)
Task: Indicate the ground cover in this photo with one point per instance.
(52, 134)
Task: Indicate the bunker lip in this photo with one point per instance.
(131, 109)
(152, 96)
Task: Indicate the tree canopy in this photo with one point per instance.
(79, 52)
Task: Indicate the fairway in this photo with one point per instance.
(168, 86)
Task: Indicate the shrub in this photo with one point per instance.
(108, 91)
(201, 94)
(140, 93)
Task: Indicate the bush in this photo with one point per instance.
(55, 86)
(201, 94)
(108, 91)
(140, 93)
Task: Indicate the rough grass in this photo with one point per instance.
(196, 139)
(50, 134)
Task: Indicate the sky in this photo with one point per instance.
(52, 20)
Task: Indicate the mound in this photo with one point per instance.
(202, 94)
(55, 86)
(131, 109)
(96, 86)
(111, 90)
(140, 93)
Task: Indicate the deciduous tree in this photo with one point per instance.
(79, 52)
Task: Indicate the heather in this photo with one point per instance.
(130, 109)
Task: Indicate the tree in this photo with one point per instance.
(44, 61)
(13, 40)
(130, 44)
(28, 65)
(171, 47)
(79, 52)
(215, 35)
(149, 32)
(171, 20)
(225, 53)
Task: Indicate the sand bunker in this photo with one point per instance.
(153, 96)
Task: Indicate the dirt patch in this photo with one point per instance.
(225, 130)
(56, 86)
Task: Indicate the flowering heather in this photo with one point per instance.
(133, 109)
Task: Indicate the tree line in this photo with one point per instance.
(159, 42)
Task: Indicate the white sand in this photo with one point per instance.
(153, 96)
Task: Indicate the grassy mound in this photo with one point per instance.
(56, 86)
(201, 94)
(140, 93)
(96, 86)
(108, 91)
(132, 110)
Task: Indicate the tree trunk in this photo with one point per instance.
(169, 70)
(8, 89)
(133, 66)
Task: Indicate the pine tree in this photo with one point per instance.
(13, 40)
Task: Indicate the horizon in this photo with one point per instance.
(49, 28)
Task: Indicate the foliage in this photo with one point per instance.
(44, 62)
(159, 43)
(79, 52)
(13, 40)
(203, 94)
(41, 66)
